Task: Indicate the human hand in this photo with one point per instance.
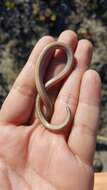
(32, 157)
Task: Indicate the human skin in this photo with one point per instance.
(34, 158)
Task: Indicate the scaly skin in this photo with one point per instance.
(43, 88)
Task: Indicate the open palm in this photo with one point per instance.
(33, 158)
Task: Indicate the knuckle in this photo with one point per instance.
(86, 129)
(24, 89)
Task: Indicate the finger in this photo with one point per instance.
(82, 139)
(69, 93)
(18, 105)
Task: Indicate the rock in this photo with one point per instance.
(97, 165)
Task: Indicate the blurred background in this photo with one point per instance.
(23, 22)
